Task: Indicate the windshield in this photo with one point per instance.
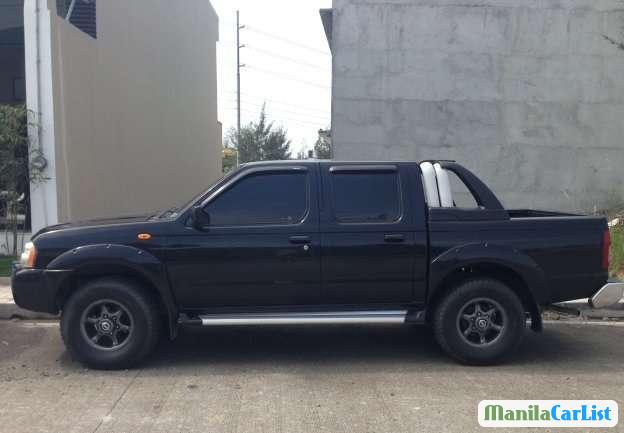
(175, 211)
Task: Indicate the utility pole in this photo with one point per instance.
(238, 87)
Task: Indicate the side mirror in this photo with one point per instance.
(200, 219)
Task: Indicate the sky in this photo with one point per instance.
(287, 65)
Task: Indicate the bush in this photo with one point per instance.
(20, 165)
(617, 252)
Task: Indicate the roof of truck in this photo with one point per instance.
(338, 161)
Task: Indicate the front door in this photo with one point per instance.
(261, 248)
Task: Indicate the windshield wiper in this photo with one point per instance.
(169, 212)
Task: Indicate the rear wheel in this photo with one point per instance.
(110, 323)
(480, 321)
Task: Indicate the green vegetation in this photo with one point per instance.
(5, 265)
(228, 159)
(617, 252)
(20, 165)
(322, 147)
(258, 141)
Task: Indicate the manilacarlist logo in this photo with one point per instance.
(548, 413)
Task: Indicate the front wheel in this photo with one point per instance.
(480, 321)
(110, 323)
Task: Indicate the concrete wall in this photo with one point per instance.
(527, 93)
(135, 110)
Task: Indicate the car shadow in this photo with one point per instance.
(365, 348)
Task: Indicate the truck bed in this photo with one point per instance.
(566, 248)
(534, 213)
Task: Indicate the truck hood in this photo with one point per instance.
(98, 222)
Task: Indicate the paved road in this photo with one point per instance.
(289, 380)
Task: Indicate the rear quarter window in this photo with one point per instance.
(462, 197)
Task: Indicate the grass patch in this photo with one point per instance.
(617, 252)
(5, 265)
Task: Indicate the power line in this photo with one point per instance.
(224, 21)
(288, 77)
(275, 101)
(287, 41)
(277, 37)
(282, 119)
(280, 102)
(281, 113)
(287, 58)
(259, 101)
(298, 113)
(319, 124)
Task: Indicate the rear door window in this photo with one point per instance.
(366, 196)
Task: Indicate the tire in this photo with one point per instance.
(479, 322)
(110, 323)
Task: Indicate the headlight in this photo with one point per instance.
(27, 259)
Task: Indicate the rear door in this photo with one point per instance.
(372, 249)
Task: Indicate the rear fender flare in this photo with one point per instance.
(485, 253)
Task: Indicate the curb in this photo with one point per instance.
(582, 310)
(9, 310)
(5, 281)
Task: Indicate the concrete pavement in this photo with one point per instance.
(290, 379)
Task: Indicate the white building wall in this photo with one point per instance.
(127, 120)
(40, 102)
(527, 93)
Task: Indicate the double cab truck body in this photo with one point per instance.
(294, 242)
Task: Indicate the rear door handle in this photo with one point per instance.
(394, 238)
(300, 239)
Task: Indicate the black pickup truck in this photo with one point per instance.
(316, 242)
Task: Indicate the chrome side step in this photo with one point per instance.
(311, 318)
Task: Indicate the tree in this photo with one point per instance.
(228, 159)
(322, 147)
(276, 146)
(19, 167)
(259, 141)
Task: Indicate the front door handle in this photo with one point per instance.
(300, 239)
(394, 238)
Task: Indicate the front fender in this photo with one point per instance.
(95, 259)
(485, 253)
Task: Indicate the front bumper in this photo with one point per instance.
(609, 294)
(37, 289)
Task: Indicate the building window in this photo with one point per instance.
(19, 90)
(81, 13)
